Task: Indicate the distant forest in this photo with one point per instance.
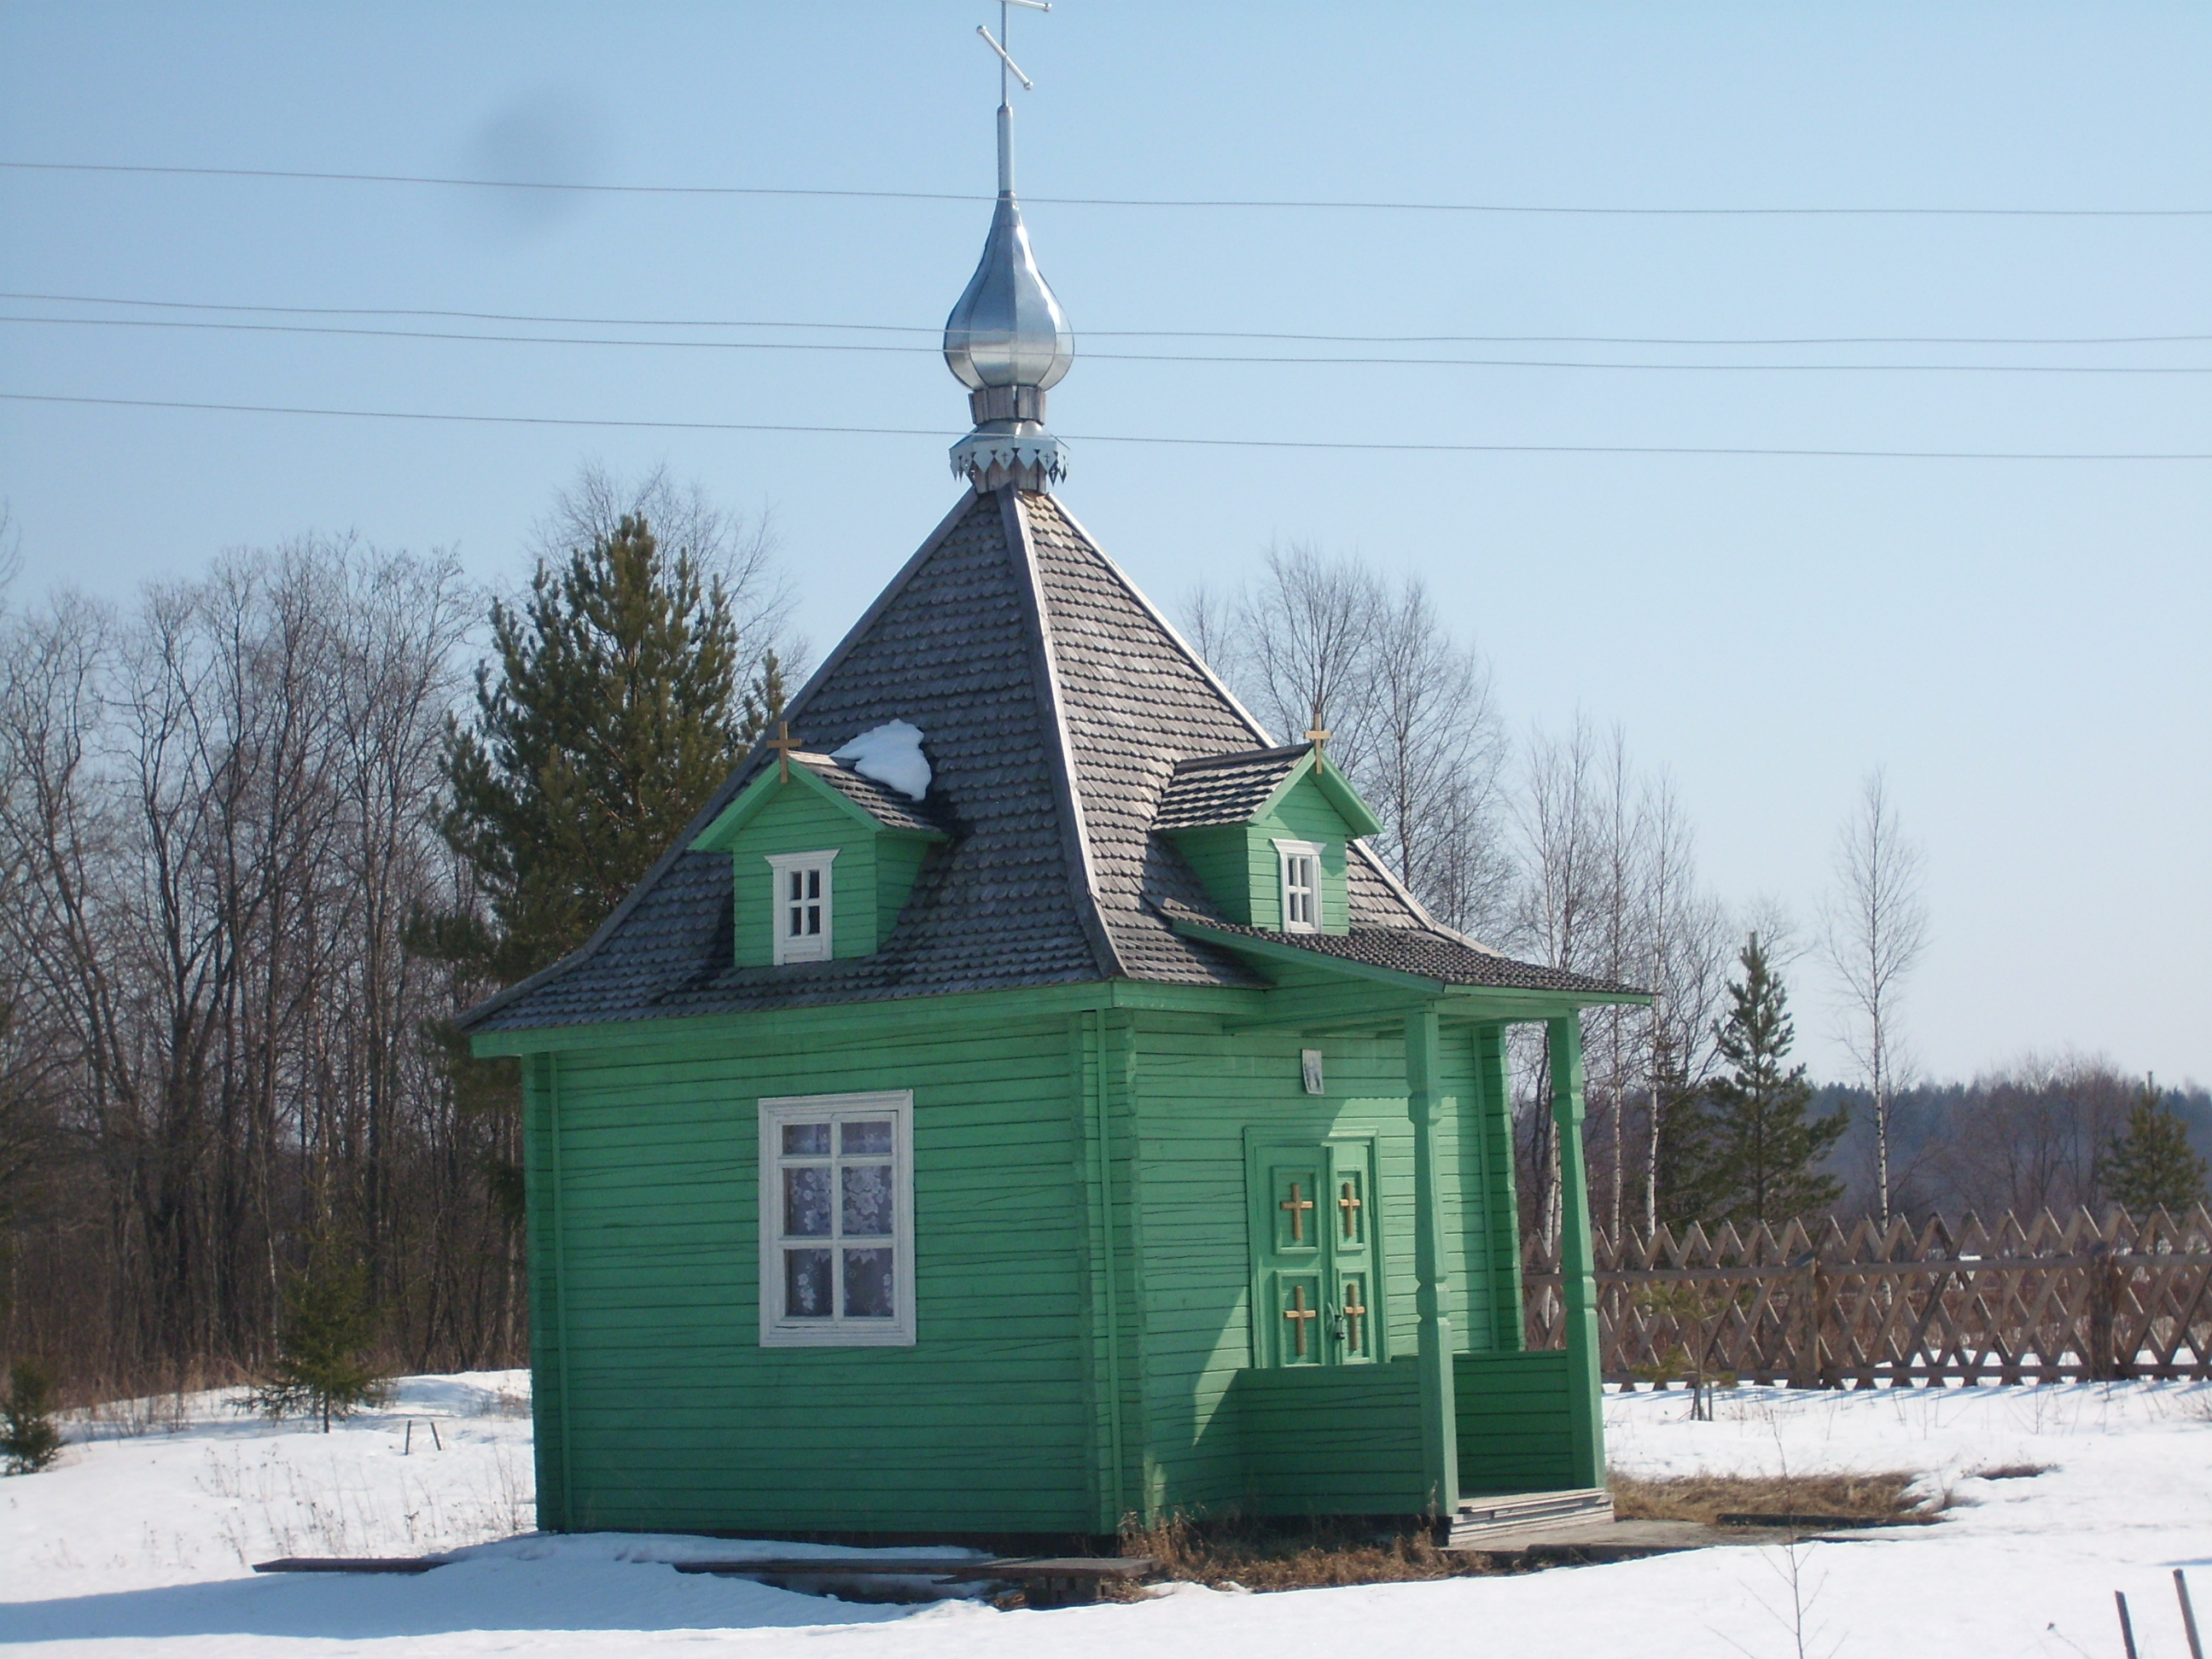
(265, 830)
(2024, 1140)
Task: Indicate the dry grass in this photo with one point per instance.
(1884, 1495)
(1234, 1552)
(127, 1406)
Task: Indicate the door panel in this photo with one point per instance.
(1315, 1261)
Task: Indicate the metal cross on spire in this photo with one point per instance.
(1009, 71)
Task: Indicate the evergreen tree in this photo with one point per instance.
(324, 1364)
(2150, 1164)
(611, 715)
(1692, 1182)
(764, 702)
(611, 711)
(29, 1441)
(1764, 1146)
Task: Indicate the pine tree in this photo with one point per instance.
(764, 701)
(324, 1364)
(2150, 1164)
(29, 1441)
(1692, 1183)
(612, 713)
(1764, 1146)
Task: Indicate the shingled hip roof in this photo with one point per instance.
(1216, 789)
(886, 805)
(1057, 705)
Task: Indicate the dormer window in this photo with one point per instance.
(1301, 866)
(801, 913)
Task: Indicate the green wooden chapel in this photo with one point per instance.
(1021, 1102)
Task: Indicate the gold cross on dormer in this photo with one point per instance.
(1350, 1205)
(1354, 1311)
(1318, 734)
(1298, 1205)
(1299, 1315)
(783, 743)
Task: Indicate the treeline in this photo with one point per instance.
(252, 862)
(2036, 1135)
(219, 807)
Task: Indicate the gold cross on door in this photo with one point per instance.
(1297, 1207)
(1300, 1317)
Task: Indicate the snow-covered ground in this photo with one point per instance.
(140, 1545)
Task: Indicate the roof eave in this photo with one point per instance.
(1270, 951)
(1517, 1001)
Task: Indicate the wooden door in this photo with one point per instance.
(1314, 1226)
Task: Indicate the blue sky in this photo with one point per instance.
(2023, 644)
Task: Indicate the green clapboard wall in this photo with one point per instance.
(1083, 1277)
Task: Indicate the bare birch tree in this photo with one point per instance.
(1556, 821)
(1874, 933)
(1688, 939)
(1409, 707)
(216, 818)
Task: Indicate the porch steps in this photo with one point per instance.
(1481, 1520)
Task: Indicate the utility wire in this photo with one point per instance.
(1141, 333)
(1126, 356)
(1113, 438)
(1122, 201)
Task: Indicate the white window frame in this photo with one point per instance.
(808, 947)
(778, 1331)
(1285, 851)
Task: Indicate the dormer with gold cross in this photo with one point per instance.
(823, 856)
(1268, 832)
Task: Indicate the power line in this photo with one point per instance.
(1111, 438)
(1146, 333)
(1128, 356)
(1123, 201)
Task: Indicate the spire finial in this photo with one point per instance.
(1007, 339)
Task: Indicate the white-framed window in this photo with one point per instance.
(801, 915)
(1301, 864)
(836, 1221)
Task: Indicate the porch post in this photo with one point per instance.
(1577, 1272)
(1439, 1409)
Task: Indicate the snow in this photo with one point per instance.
(139, 1543)
(891, 755)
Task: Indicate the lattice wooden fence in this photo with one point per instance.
(2044, 1301)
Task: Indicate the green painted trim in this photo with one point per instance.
(1439, 1410)
(561, 1289)
(1358, 817)
(1493, 1082)
(1116, 1492)
(1577, 1275)
(1124, 1083)
(1515, 1004)
(717, 836)
(892, 1013)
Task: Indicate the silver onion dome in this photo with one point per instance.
(1008, 342)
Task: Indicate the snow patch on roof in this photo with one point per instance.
(891, 755)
